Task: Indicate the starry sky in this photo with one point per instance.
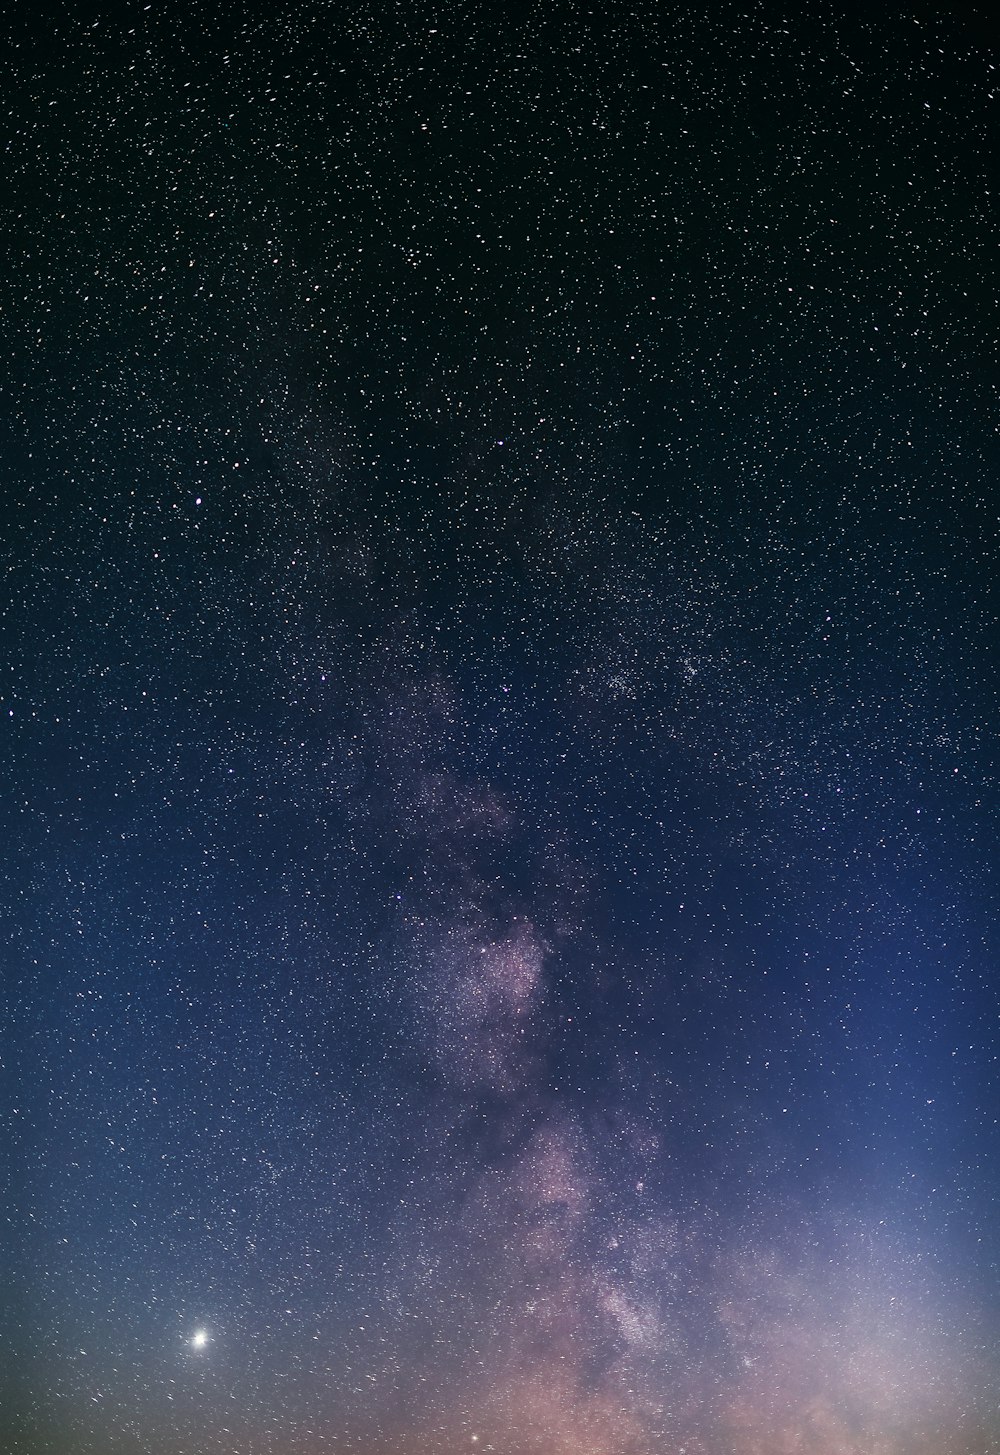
(499, 693)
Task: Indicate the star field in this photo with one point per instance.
(500, 691)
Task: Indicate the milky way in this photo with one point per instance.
(586, 1305)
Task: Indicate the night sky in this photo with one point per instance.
(500, 694)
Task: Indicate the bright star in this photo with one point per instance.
(199, 1338)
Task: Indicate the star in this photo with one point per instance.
(199, 1338)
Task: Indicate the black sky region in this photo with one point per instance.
(500, 698)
